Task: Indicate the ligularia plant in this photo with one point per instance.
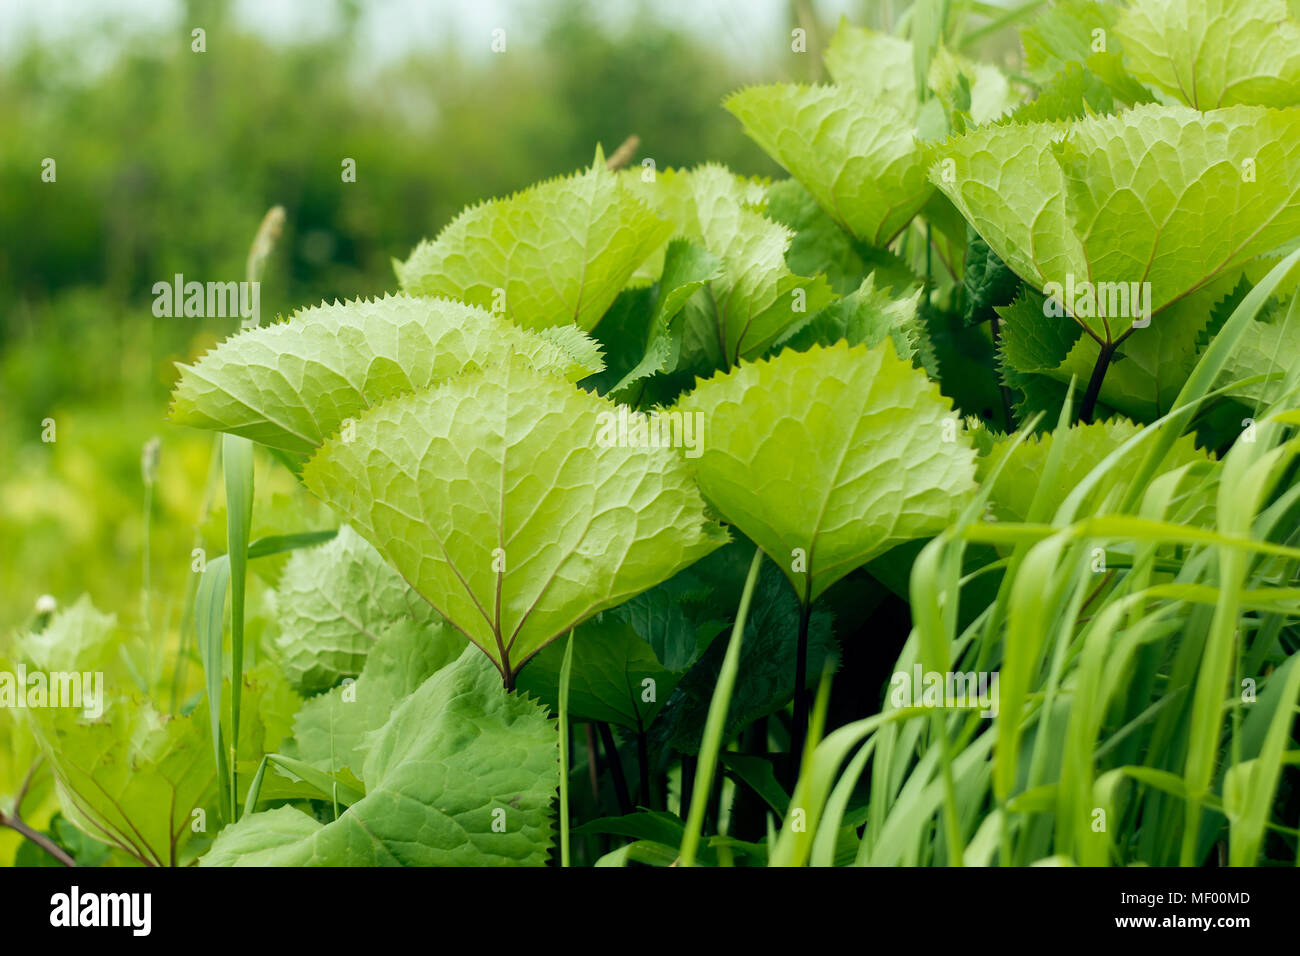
(983, 422)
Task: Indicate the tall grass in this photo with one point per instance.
(1146, 705)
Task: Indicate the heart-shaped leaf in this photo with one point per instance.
(511, 503)
(829, 457)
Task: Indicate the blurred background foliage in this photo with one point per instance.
(167, 160)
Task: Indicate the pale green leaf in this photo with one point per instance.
(505, 499)
(293, 384)
(1265, 348)
(1068, 32)
(330, 729)
(979, 90)
(1212, 53)
(1157, 194)
(876, 63)
(857, 156)
(1023, 465)
(555, 254)
(829, 457)
(333, 603)
(130, 777)
(78, 637)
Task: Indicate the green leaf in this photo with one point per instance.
(501, 499)
(270, 706)
(829, 457)
(330, 729)
(1265, 348)
(958, 357)
(1024, 464)
(77, 638)
(820, 247)
(1030, 352)
(333, 603)
(655, 825)
(237, 477)
(209, 632)
(456, 756)
(1152, 364)
(978, 91)
(687, 268)
(642, 851)
(1040, 354)
(1072, 94)
(335, 787)
(625, 335)
(1068, 32)
(1212, 53)
(759, 775)
(858, 157)
(85, 850)
(292, 385)
(658, 619)
(278, 544)
(1079, 91)
(867, 316)
(638, 333)
(1157, 194)
(130, 777)
(876, 63)
(757, 298)
(884, 68)
(611, 668)
(986, 281)
(558, 253)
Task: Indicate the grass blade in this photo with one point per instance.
(209, 625)
(717, 719)
(566, 670)
(237, 461)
